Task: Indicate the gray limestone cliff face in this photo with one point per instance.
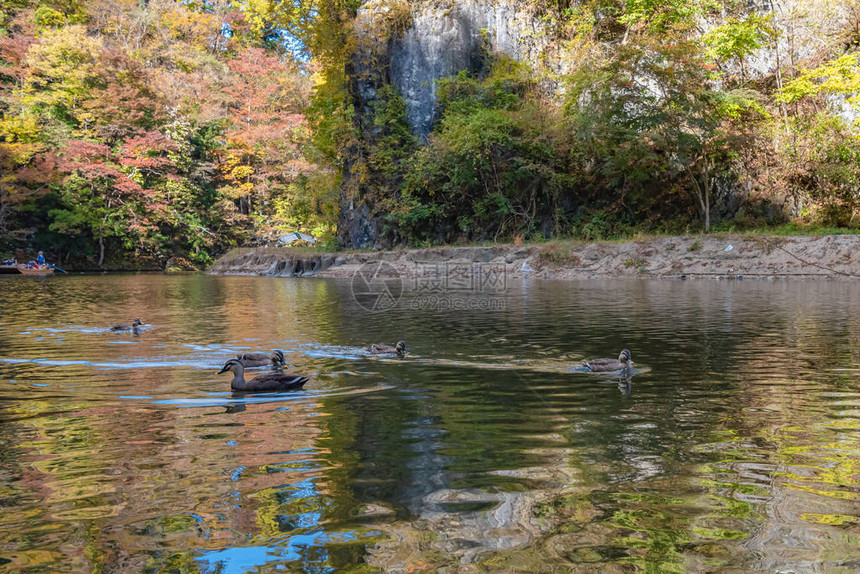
(807, 33)
(447, 38)
(442, 39)
(804, 28)
(359, 224)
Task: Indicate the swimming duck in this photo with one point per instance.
(262, 359)
(378, 349)
(125, 326)
(261, 383)
(608, 365)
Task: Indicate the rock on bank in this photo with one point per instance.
(687, 256)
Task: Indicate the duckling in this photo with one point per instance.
(378, 349)
(262, 359)
(261, 383)
(608, 365)
(125, 326)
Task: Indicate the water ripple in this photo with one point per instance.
(733, 446)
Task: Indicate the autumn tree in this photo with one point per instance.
(262, 156)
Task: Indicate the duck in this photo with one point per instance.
(126, 326)
(267, 382)
(262, 359)
(380, 349)
(622, 363)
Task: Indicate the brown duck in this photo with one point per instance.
(262, 359)
(622, 363)
(378, 349)
(268, 382)
(117, 327)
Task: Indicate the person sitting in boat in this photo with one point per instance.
(40, 259)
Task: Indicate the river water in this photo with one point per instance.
(733, 447)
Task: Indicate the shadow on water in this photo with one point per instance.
(732, 446)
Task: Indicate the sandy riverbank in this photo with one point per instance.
(728, 257)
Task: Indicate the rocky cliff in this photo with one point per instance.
(412, 44)
(445, 40)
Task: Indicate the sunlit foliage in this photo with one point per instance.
(144, 131)
(659, 125)
(232, 121)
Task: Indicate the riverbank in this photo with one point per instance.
(721, 257)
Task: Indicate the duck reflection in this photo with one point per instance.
(236, 407)
(623, 379)
(625, 385)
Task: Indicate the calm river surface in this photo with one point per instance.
(734, 448)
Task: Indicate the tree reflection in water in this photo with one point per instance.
(734, 447)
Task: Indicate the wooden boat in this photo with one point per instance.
(7, 268)
(36, 271)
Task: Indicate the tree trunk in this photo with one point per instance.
(101, 251)
(707, 192)
(779, 83)
(707, 214)
(703, 191)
